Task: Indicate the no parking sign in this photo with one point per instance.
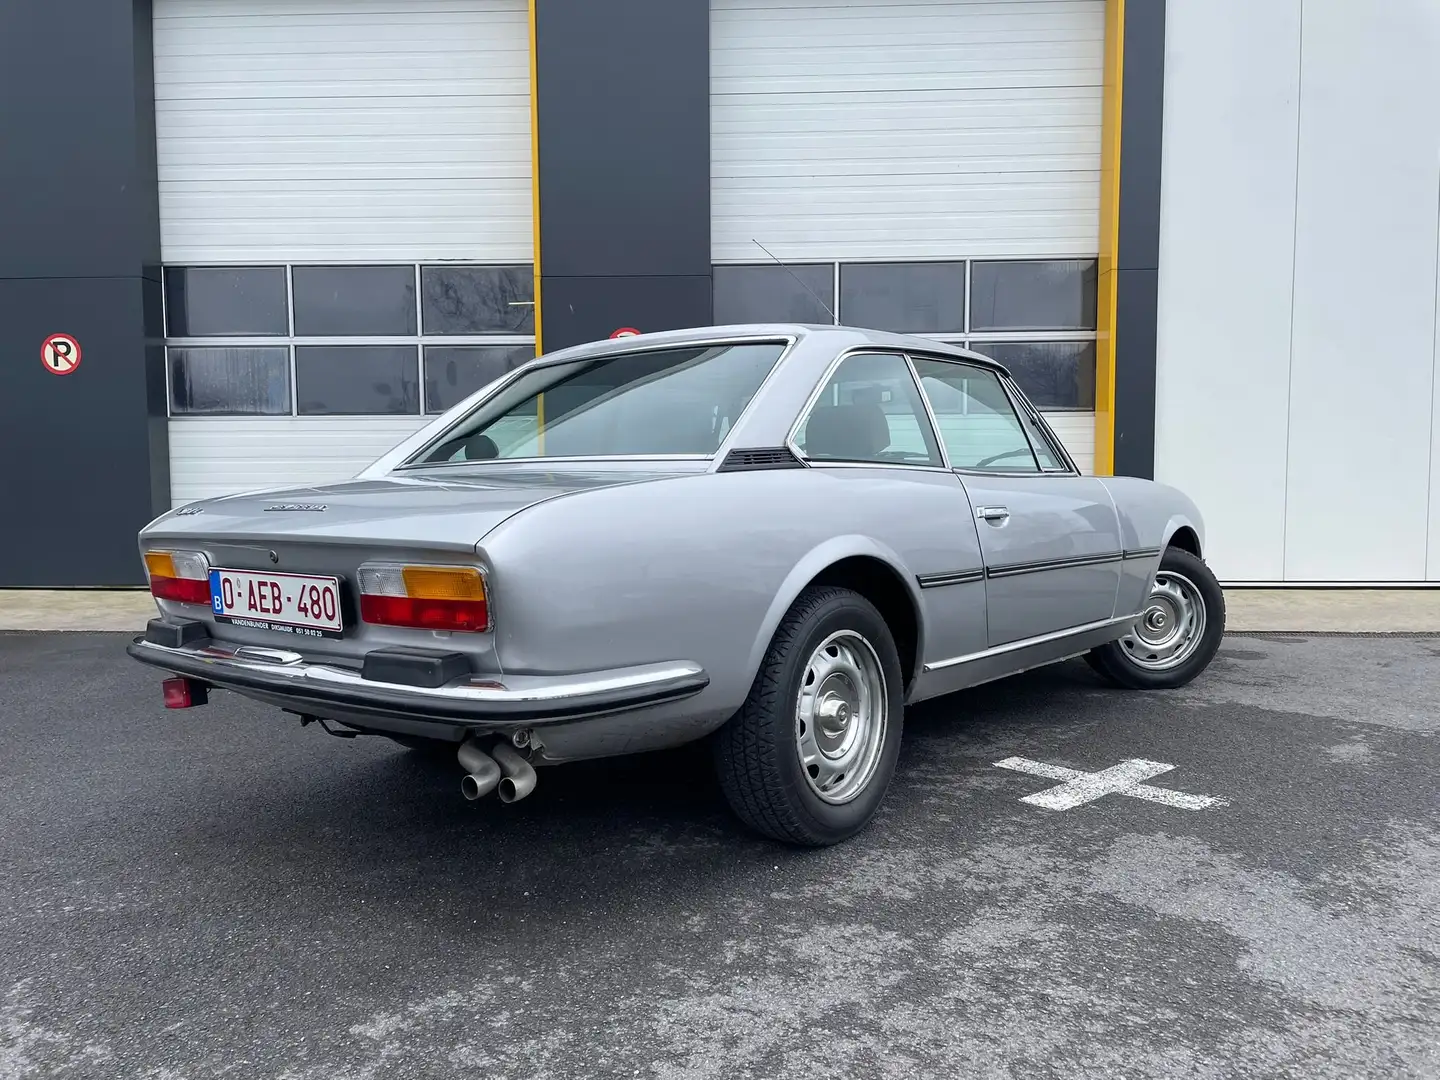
(60, 353)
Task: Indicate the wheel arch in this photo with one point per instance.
(871, 569)
(1186, 538)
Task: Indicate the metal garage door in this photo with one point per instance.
(345, 203)
(933, 166)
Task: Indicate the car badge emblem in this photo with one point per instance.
(187, 511)
(296, 506)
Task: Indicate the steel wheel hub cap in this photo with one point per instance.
(1171, 625)
(841, 716)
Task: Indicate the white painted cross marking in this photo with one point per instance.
(1081, 787)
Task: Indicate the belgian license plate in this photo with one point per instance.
(286, 603)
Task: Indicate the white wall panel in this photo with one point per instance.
(346, 130)
(1227, 257)
(1432, 562)
(1363, 345)
(905, 128)
(224, 455)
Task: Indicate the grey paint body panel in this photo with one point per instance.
(602, 567)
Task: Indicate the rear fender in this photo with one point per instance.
(812, 565)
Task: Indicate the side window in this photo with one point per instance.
(1044, 453)
(977, 421)
(869, 411)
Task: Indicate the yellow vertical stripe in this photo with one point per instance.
(535, 173)
(1109, 236)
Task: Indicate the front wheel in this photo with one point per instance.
(809, 756)
(1177, 633)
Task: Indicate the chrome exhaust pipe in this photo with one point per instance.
(482, 773)
(519, 778)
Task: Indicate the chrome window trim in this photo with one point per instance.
(786, 340)
(819, 388)
(569, 459)
(929, 410)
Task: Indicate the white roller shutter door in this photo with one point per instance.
(343, 130)
(334, 132)
(908, 130)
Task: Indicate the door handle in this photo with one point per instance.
(991, 513)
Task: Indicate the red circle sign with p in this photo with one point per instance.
(60, 354)
(626, 331)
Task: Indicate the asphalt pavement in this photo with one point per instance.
(218, 893)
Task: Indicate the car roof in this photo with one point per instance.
(837, 337)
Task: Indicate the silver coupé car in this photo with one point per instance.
(771, 537)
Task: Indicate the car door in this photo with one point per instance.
(1049, 537)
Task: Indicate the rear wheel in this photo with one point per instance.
(809, 756)
(1177, 634)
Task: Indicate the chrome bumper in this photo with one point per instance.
(286, 679)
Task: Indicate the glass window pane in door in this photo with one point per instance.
(977, 422)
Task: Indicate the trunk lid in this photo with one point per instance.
(445, 509)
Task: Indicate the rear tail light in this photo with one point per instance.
(424, 597)
(179, 575)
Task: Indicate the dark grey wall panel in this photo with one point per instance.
(78, 195)
(1141, 132)
(588, 309)
(83, 457)
(623, 91)
(1138, 252)
(1135, 315)
(623, 103)
(75, 449)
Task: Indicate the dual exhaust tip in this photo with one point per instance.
(502, 771)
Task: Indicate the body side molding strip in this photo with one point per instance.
(949, 577)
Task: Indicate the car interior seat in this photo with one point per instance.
(847, 432)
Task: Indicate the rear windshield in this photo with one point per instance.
(656, 402)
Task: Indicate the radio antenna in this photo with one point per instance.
(762, 247)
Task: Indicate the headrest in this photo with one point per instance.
(857, 432)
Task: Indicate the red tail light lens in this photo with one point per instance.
(424, 597)
(183, 576)
(181, 693)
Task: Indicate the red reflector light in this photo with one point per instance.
(182, 693)
(465, 615)
(185, 590)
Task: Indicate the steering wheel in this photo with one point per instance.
(1001, 457)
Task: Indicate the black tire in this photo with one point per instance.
(757, 757)
(1119, 662)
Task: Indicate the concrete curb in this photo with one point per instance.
(1340, 611)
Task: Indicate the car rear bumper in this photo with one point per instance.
(286, 679)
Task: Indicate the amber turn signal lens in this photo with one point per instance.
(160, 564)
(443, 583)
